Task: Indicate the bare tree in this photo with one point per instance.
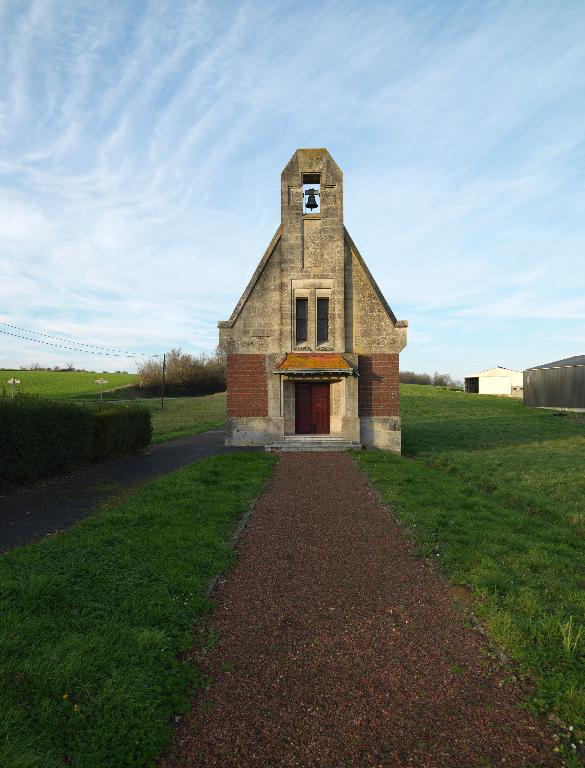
(185, 374)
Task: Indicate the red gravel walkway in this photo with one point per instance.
(338, 648)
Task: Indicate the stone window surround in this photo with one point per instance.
(300, 293)
(323, 293)
(311, 290)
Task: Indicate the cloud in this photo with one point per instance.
(22, 224)
(525, 305)
(141, 147)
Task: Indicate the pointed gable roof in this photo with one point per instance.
(253, 280)
(373, 283)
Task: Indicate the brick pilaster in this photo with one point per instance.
(247, 388)
(378, 385)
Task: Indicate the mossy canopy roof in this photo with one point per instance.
(321, 361)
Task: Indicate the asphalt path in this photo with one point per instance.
(53, 505)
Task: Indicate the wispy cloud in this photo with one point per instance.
(141, 146)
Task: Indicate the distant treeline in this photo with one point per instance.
(435, 380)
(69, 367)
(204, 374)
(185, 374)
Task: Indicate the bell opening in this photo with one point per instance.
(311, 193)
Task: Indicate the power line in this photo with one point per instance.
(73, 348)
(74, 342)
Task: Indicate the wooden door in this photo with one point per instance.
(312, 408)
(320, 397)
(303, 409)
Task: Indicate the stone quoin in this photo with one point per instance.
(312, 346)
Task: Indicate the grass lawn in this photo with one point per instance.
(63, 384)
(94, 622)
(186, 416)
(182, 416)
(495, 493)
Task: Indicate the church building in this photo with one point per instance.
(312, 346)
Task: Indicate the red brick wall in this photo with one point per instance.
(378, 393)
(247, 389)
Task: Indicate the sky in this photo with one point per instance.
(141, 146)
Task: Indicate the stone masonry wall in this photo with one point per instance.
(312, 256)
(247, 391)
(312, 246)
(368, 328)
(257, 328)
(378, 387)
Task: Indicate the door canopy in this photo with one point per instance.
(312, 363)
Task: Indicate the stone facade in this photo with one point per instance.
(311, 258)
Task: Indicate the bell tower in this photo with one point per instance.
(312, 345)
(313, 246)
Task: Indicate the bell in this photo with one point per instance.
(311, 203)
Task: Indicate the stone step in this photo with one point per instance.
(311, 444)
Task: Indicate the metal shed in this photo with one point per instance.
(560, 384)
(495, 381)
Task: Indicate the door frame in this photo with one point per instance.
(309, 385)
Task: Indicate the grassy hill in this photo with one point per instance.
(494, 493)
(490, 491)
(182, 416)
(96, 623)
(64, 384)
(186, 416)
(529, 458)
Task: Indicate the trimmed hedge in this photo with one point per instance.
(121, 430)
(40, 437)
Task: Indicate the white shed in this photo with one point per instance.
(495, 381)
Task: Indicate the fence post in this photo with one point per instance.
(162, 388)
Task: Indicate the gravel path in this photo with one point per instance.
(338, 648)
(51, 506)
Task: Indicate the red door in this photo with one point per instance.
(311, 408)
(303, 409)
(320, 409)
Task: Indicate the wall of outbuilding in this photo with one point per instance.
(559, 387)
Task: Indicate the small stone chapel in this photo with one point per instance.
(312, 346)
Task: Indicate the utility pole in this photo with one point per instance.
(162, 388)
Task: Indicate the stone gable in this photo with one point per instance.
(311, 264)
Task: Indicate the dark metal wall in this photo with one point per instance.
(555, 387)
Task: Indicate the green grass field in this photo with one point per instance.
(491, 491)
(186, 416)
(95, 622)
(64, 384)
(182, 416)
(495, 494)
